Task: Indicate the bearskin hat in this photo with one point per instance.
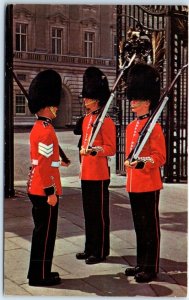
(95, 85)
(45, 90)
(143, 83)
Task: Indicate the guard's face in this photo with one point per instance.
(140, 106)
(90, 104)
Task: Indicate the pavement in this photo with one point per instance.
(106, 278)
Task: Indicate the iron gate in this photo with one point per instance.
(168, 25)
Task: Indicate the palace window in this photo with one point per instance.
(57, 38)
(21, 37)
(20, 104)
(89, 44)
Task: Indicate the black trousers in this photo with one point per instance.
(96, 212)
(43, 240)
(145, 213)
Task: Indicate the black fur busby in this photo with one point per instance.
(95, 85)
(45, 90)
(143, 83)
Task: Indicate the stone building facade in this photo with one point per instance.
(67, 38)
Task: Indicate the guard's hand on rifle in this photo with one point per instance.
(85, 152)
(131, 165)
(91, 150)
(139, 163)
(134, 164)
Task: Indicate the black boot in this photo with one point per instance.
(133, 271)
(145, 276)
(49, 281)
(82, 255)
(91, 260)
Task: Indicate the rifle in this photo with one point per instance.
(148, 127)
(99, 121)
(63, 156)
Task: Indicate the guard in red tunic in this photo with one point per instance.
(144, 177)
(44, 186)
(95, 172)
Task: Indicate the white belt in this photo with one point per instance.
(55, 164)
(34, 162)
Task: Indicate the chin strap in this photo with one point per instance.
(52, 110)
(91, 102)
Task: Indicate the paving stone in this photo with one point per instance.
(13, 289)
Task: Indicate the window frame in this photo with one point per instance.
(20, 105)
(56, 39)
(89, 44)
(20, 36)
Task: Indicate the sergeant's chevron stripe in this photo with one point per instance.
(46, 150)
